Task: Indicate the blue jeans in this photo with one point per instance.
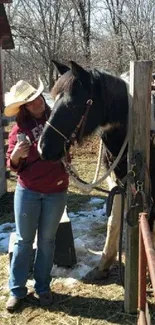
(41, 212)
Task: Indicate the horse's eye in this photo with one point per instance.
(71, 110)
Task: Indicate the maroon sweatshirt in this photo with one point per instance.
(34, 173)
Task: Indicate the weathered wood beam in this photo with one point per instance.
(139, 140)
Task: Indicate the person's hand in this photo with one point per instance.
(21, 150)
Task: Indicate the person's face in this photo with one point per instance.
(36, 107)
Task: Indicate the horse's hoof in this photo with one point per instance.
(96, 274)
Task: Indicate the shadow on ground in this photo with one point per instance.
(114, 275)
(6, 207)
(85, 307)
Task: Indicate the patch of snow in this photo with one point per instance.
(96, 200)
(7, 226)
(88, 241)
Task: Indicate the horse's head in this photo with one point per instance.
(83, 100)
(72, 94)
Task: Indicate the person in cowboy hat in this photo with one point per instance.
(40, 195)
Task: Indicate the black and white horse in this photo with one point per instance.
(86, 100)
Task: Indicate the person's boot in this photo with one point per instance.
(46, 298)
(13, 303)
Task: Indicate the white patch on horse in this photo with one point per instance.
(38, 147)
(54, 100)
(113, 229)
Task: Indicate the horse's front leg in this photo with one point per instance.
(111, 245)
(113, 230)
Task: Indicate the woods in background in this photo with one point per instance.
(105, 34)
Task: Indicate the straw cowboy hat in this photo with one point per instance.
(20, 94)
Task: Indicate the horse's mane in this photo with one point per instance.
(111, 89)
(64, 83)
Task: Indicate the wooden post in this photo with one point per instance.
(139, 139)
(3, 184)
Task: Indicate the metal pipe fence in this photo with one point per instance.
(146, 258)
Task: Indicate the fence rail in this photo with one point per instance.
(146, 258)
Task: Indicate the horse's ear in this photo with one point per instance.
(60, 67)
(78, 71)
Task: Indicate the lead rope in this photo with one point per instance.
(98, 161)
(88, 187)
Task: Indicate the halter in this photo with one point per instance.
(80, 126)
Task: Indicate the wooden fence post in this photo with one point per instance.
(139, 139)
(3, 184)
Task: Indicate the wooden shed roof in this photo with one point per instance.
(5, 31)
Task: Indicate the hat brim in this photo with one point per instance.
(14, 108)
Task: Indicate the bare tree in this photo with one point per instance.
(139, 18)
(38, 29)
(83, 10)
(98, 33)
(115, 9)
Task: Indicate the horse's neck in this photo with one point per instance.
(114, 99)
(110, 107)
(114, 139)
(114, 106)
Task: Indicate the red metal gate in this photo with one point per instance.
(146, 258)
